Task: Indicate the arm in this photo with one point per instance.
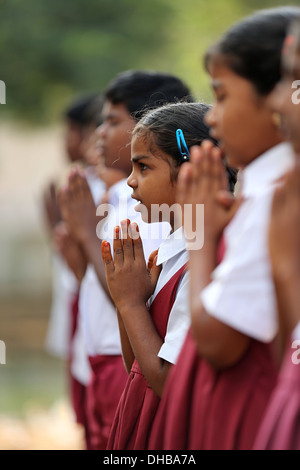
(127, 352)
(70, 250)
(79, 212)
(130, 287)
(203, 181)
(91, 245)
(284, 238)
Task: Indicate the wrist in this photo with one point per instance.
(130, 309)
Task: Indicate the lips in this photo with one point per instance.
(101, 150)
(136, 198)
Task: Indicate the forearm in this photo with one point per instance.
(201, 265)
(146, 343)
(288, 302)
(219, 344)
(128, 356)
(91, 246)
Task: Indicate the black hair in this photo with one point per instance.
(159, 128)
(252, 47)
(84, 109)
(141, 90)
(93, 112)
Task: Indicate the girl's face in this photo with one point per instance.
(151, 181)
(240, 119)
(285, 99)
(114, 136)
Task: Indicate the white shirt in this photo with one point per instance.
(172, 255)
(242, 293)
(99, 317)
(64, 288)
(80, 366)
(296, 332)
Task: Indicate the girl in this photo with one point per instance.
(125, 99)
(151, 342)
(280, 429)
(227, 368)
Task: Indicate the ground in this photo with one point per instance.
(35, 411)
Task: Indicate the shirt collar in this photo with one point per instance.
(266, 169)
(171, 246)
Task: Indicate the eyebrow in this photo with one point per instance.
(138, 158)
(110, 115)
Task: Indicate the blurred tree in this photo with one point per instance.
(50, 50)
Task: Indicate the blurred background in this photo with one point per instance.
(49, 53)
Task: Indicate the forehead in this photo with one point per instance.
(115, 110)
(224, 78)
(144, 145)
(141, 142)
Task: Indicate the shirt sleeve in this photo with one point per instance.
(178, 323)
(242, 293)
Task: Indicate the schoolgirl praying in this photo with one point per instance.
(152, 332)
(280, 428)
(228, 366)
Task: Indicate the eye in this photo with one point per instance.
(142, 166)
(220, 97)
(113, 121)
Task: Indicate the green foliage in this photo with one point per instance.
(51, 50)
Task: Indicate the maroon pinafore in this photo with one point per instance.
(205, 409)
(139, 403)
(280, 429)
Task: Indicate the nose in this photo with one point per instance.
(132, 181)
(101, 130)
(210, 117)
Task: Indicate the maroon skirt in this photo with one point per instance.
(103, 393)
(203, 409)
(280, 429)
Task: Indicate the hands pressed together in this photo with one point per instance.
(203, 180)
(130, 281)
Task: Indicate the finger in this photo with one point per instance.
(118, 248)
(63, 201)
(220, 181)
(155, 271)
(73, 184)
(107, 257)
(127, 240)
(196, 160)
(184, 183)
(225, 198)
(206, 168)
(152, 256)
(137, 244)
